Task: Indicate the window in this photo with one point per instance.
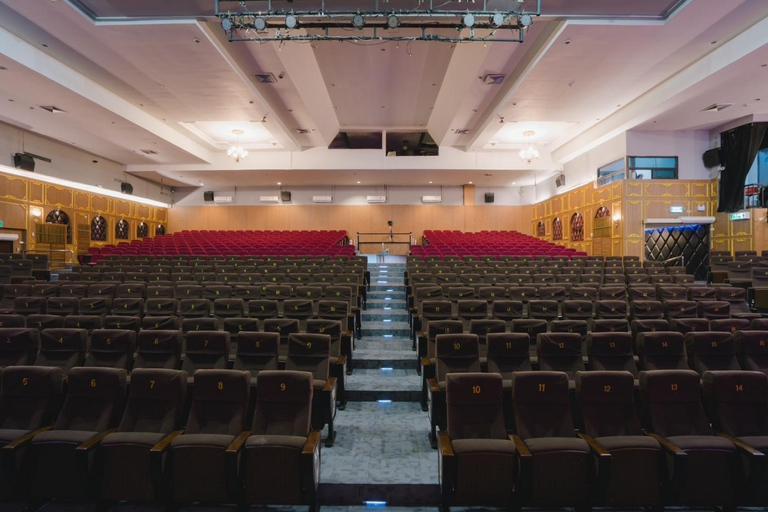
(159, 230)
(121, 230)
(611, 172)
(653, 167)
(99, 229)
(577, 227)
(557, 229)
(142, 230)
(541, 230)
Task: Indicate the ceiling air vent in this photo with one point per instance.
(53, 110)
(148, 151)
(717, 107)
(494, 79)
(302, 131)
(265, 78)
(462, 131)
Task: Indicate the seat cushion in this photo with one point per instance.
(612, 443)
(318, 384)
(556, 444)
(475, 446)
(10, 435)
(758, 442)
(63, 436)
(148, 439)
(702, 443)
(203, 440)
(296, 442)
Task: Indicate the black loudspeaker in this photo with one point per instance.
(208, 195)
(712, 158)
(489, 197)
(23, 162)
(126, 188)
(560, 181)
(285, 197)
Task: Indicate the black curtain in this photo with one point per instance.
(739, 148)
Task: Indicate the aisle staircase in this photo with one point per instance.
(382, 453)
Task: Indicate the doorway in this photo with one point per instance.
(690, 241)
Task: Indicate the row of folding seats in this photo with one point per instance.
(676, 452)
(106, 449)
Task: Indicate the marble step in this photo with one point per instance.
(371, 385)
(386, 329)
(379, 314)
(384, 304)
(378, 352)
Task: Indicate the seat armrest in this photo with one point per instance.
(667, 446)
(520, 446)
(525, 468)
(313, 440)
(94, 441)
(446, 467)
(165, 442)
(23, 440)
(237, 444)
(425, 361)
(603, 460)
(329, 384)
(433, 387)
(341, 360)
(596, 447)
(444, 444)
(742, 446)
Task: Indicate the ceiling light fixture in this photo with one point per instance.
(393, 21)
(260, 24)
(530, 153)
(237, 152)
(358, 21)
(291, 22)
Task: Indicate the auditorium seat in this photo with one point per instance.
(611, 352)
(555, 464)
(196, 467)
(11, 320)
(18, 346)
(132, 323)
(312, 353)
(633, 478)
(62, 348)
(158, 349)
(87, 322)
(662, 350)
(201, 324)
(477, 465)
(560, 352)
(111, 348)
(64, 456)
(704, 468)
(205, 350)
(751, 350)
(710, 351)
(280, 461)
(338, 359)
(152, 417)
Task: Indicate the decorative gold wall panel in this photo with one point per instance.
(666, 188)
(143, 212)
(35, 191)
(81, 200)
(12, 187)
(100, 204)
(58, 196)
(122, 208)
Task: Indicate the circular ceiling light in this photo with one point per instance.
(226, 24)
(358, 21)
(525, 20)
(468, 19)
(497, 19)
(291, 21)
(393, 21)
(260, 24)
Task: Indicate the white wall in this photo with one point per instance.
(687, 146)
(71, 163)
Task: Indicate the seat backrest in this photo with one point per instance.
(680, 309)
(194, 308)
(711, 351)
(284, 327)
(661, 350)
(128, 306)
(18, 346)
(30, 397)
(332, 328)
(284, 403)
(309, 353)
(219, 402)
(607, 403)
(508, 352)
(111, 348)
(543, 309)
(456, 353)
(541, 404)
(507, 310)
(298, 308)
(206, 350)
(646, 309)
(155, 402)
(262, 308)
(578, 309)
(474, 406)
(62, 348)
(609, 325)
(667, 292)
(158, 349)
(612, 309)
(161, 306)
(751, 350)
(257, 351)
(468, 309)
(737, 402)
(560, 352)
(611, 351)
(613, 293)
(94, 400)
(672, 403)
(714, 309)
(435, 310)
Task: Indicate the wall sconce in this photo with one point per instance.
(36, 212)
(616, 219)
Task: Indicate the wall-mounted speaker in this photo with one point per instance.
(23, 162)
(560, 181)
(208, 196)
(489, 197)
(285, 196)
(712, 158)
(126, 188)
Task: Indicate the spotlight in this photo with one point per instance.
(525, 20)
(497, 19)
(291, 22)
(468, 19)
(393, 21)
(260, 24)
(358, 21)
(226, 24)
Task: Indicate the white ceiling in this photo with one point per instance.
(177, 87)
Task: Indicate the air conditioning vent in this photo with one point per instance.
(717, 107)
(222, 199)
(322, 199)
(265, 78)
(269, 199)
(377, 199)
(462, 131)
(53, 110)
(494, 79)
(302, 131)
(431, 199)
(148, 151)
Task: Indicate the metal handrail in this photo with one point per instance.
(51, 251)
(681, 258)
(391, 240)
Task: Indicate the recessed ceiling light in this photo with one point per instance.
(358, 182)
(430, 182)
(279, 183)
(470, 182)
(514, 182)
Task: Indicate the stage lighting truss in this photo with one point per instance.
(470, 21)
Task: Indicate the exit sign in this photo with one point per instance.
(740, 216)
(676, 209)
